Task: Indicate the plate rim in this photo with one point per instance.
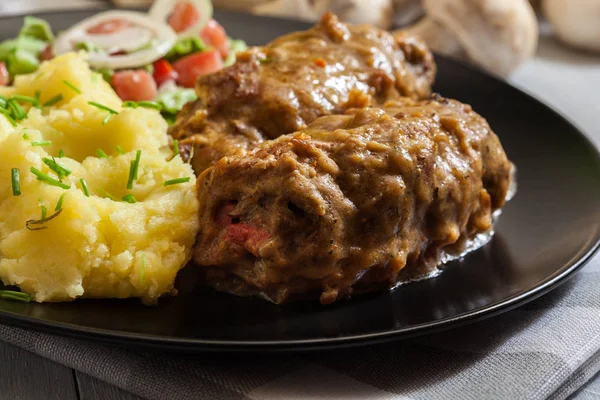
(587, 251)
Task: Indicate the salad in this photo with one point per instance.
(146, 57)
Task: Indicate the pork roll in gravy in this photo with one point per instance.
(354, 202)
(281, 87)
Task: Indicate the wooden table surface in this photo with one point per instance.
(565, 79)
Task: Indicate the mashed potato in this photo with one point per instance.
(97, 246)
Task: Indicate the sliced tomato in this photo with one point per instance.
(214, 35)
(109, 26)
(183, 16)
(134, 85)
(47, 53)
(189, 68)
(163, 71)
(4, 76)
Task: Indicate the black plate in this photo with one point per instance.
(548, 231)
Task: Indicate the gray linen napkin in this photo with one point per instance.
(546, 349)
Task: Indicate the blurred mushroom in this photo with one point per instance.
(575, 22)
(375, 12)
(497, 35)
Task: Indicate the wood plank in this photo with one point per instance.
(91, 388)
(25, 376)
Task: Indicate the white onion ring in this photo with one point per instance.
(163, 39)
(161, 9)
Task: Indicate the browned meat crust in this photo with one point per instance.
(351, 203)
(281, 87)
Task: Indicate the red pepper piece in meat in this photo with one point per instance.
(249, 236)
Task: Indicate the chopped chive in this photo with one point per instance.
(72, 87)
(25, 136)
(37, 96)
(144, 104)
(130, 104)
(44, 211)
(17, 111)
(47, 179)
(61, 153)
(175, 147)
(41, 222)
(133, 169)
(106, 194)
(8, 116)
(60, 202)
(138, 156)
(120, 150)
(17, 296)
(3, 102)
(58, 169)
(102, 107)
(41, 143)
(129, 198)
(53, 100)
(84, 186)
(26, 99)
(130, 179)
(107, 118)
(150, 104)
(143, 269)
(16, 181)
(101, 154)
(176, 181)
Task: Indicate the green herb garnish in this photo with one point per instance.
(60, 202)
(58, 169)
(111, 112)
(54, 100)
(41, 222)
(44, 211)
(16, 110)
(129, 198)
(72, 87)
(16, 296)
(175, 147)
(144, 104)
(102, 107)
(133, 169)
(15, 181)
(9, 118)
(3, 102)
(101, 154)
(84, 186)
(41, 143)
(176, 181)
(119, 149)
(61, 153)
(47, 179)
(26, 99)
(106, 194)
